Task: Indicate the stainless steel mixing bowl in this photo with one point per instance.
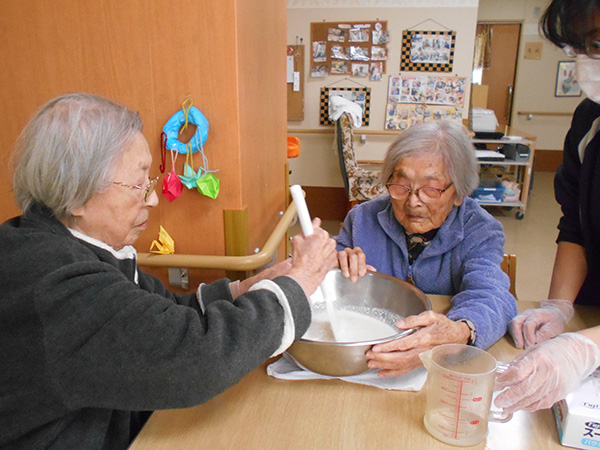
(373, 292)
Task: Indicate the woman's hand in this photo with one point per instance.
(546, 373)
(352, 263)
(540, 324)
(312, 257)
(277, 270)
(402, 355)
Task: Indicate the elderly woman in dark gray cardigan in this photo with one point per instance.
(429, 232)
(89, 342)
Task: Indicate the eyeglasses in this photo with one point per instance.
(149, 189)
(591, 47)
(425, 194)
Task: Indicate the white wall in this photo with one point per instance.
(317, 164)
(536, 79)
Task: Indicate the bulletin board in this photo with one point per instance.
(295, 98)
(357, 49)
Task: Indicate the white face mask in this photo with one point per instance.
(588, 76)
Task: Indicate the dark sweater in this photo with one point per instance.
(577, 189)
(84, 349)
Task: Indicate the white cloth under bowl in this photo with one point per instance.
(286, 368)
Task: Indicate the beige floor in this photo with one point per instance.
(532, 239)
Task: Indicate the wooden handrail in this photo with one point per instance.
(530, 114)
(357, 131)
(234, 263)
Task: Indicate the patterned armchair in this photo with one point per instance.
(361, 184)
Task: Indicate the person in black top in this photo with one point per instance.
(555, 362)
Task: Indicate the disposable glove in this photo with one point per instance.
(546, 373)
(540, 324)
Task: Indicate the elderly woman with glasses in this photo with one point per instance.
(89, 343)
(430, 233)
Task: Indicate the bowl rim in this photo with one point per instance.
(418, 292)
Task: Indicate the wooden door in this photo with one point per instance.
(500, 75)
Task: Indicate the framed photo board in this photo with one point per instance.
(427, 51)
(358, 49)
(359, 95)
(566, 84)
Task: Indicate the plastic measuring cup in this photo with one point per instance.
(460, 383)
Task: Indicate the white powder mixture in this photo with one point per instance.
(350, 326)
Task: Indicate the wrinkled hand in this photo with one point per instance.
(546, 373)
(352, 262)
(540, 324)
(312, 257)
(277, 270)
(402, 355)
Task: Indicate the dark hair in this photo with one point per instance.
(566, 22)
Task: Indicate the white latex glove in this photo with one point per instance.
(540, 324)
(546, 373)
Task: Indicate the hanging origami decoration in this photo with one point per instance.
(165, 244)
(203, 180)
(189, 176)
(180, 120)
(208, 185)
(172, 186)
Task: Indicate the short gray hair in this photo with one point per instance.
(66, 152)
(446, 138)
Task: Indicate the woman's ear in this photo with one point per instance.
(78, 212)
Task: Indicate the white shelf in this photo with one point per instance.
(505, 204)
(506, 162)
(501, 141)
(522, 169)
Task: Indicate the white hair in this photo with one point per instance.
(446, 138)
(65, 153)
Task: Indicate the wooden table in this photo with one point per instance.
(262, 412)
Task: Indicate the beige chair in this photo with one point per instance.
(509, 266)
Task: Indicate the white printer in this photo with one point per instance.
(484, 120)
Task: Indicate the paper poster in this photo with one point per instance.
(400, 116)
(427, 89)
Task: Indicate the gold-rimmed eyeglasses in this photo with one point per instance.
(426, 194)
(149, 188)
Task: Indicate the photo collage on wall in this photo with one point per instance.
(427, 51)
(359, 95)
(358, 49)
(421, 98)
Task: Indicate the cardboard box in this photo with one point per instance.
(578, 415)
(484, 120)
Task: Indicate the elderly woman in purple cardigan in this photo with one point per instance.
(429, 232)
